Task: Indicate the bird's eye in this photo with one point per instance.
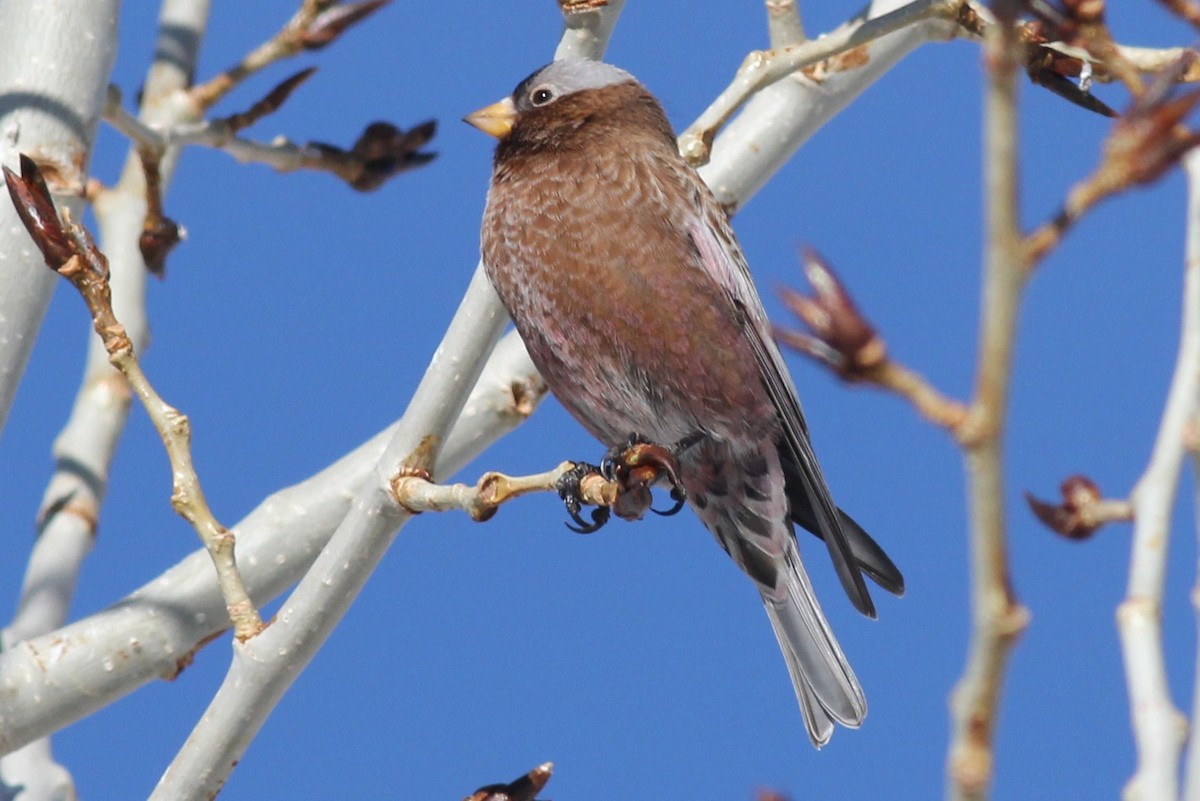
(541, 96)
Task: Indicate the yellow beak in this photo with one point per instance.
(495, 120)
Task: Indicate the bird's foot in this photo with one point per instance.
(570, 489)
(631, 470)
(638, 465)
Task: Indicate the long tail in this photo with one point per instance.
(825, 685)
(739, 494)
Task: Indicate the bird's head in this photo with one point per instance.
(566, 98)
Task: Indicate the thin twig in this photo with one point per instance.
(315, 24)
(623, 487)
(1146, 142)
(381, 151)
(87, 271)
(1191, 790)
(928, 400)
(482, 499)
(784, 26)
(846, 342)
(70, 251)
(997, 617)
(762, 68)
(160, 234)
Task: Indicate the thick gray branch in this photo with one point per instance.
(55, 59)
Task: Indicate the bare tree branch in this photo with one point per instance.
(762, 68)
(55, 679)
(83, 451)
(1144, 143)
(316, 24)
(40, 41)
(779, 119)
(1159, 728)
(381, 151)
(848, 344)
(997, 616)
(87, 270)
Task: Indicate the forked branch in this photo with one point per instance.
(69, 250)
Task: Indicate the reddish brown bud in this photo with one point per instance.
(524, 788)
(841, 336)
(386, 150)
(157, 240)
(333, 22)
(1078, 516)
(383, 150)
(1150, 138)
(35, 207)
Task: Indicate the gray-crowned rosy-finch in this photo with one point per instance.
(625, 280)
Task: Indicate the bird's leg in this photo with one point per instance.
(632, 469)
(678, 493)
(639, 464)
(568, 486)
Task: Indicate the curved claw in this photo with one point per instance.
(600, 516)
(608, 467)
(568, 490)
(679, 497)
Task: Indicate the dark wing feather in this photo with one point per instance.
(871, 558)
(721, 257)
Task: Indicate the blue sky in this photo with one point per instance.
(299, 315)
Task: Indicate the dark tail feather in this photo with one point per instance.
(868, 554)
(868, 557)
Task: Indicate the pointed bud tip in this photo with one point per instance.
(1068, 518)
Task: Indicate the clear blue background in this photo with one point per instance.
(299, 315)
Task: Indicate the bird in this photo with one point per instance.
(622, 275)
